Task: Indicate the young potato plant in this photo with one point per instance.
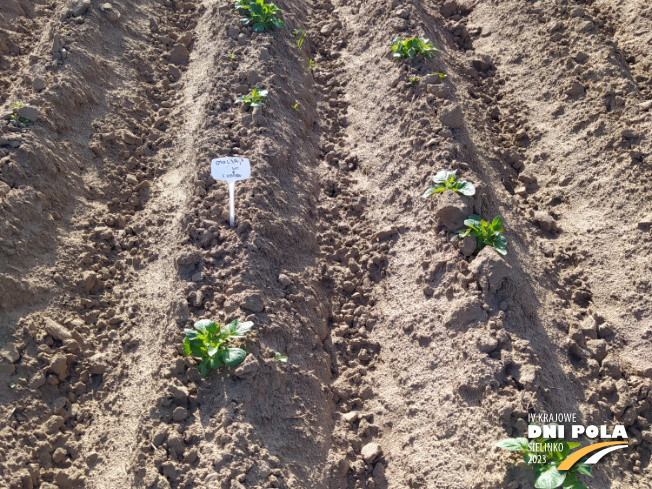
(16, 120)
(411, 47)
(256, 99)
(486, 233)
(445, 180)
(209, 342)
(261, 16)
(544, 464)
(302, 36)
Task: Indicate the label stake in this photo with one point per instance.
(231, 170)
(232, 203)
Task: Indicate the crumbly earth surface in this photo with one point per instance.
(408, 358)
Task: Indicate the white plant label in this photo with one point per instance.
(231, 170)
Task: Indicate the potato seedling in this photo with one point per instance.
(545, 463)
(256, 99)
(16, 120)
(486, 233)
(411, 47)
(445, 180)
(260, 15)
(209, 342)
(302, 36)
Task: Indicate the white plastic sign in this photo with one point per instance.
(231, 170)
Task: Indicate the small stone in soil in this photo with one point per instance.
(371, 451)
(180, 413)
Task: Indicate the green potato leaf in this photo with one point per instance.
(467, 188)
(197, 347)
(497, 224)
(191, 334)
(565, 448)
(550, 478)
(571, 478)
(213, 328)
(244, 327)
(433, 190)
(236, 329)
(584, 469)
(537, 469)
(513, 444)
(186, 347)
(575, 485)
(571, 482)
(203, 367)
(500, 248)
(473, 221)
(215, 362)
(234, 356)
(202, 325)
(443, 176)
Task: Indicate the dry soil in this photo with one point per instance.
(408, 356)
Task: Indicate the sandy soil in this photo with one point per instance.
(408, 358)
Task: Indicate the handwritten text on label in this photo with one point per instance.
(230, 169)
